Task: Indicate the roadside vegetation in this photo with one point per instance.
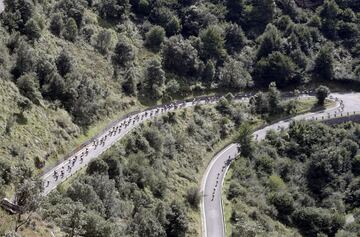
(300, 182)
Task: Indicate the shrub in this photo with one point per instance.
(193, 197)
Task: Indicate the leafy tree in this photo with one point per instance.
(245, 140)
(283, 202)
(95, 225)
(54, 86)
(70, 30)
(32, 29)
(25, 60)
(104, 41)
(193, 197)
(64, 63)
(71, 9)
(180, 57)
(29, 87)
(325, 166)
(132, 78)
(114, 165)
(148, 224)
(28, 198)
(234, 38)
(98, 166)
(234, 75)
(56, 24)
(155, 37)
(17, 13)
(114, 10)
(274, 98)
(209, 71)
(261, 13)
(212, 42)
(124, 53)
(276, 67)
(324, 61)
(173, 27)
(329, 14)
(235, 10)
(75, 222)
(155, 79)
(269, 41)
(321, 93)
(313, 221)
(353, 194)
(259, 103)
(177, 221)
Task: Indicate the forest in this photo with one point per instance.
(69, 67)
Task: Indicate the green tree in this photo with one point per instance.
(28, 85)
(244, 138)
(324, 62)
(234, 38)
(276, 67)
(235, 10)
(132, 78)
(274, 98)
(209, 71)
(313, 221)
(25, 60)
(177, 221)
(28, 197)
(321, 93)
(114, 10)
(70, 30)
(180, 57)
(329, 15)
(124, 53)
(283, 202)
(193, 197)
(234, 75)
(56, 24)
(98, 166)
(64, 63)
(104, 41)
(261, 13)
(213, 42)
(259, 103)
(155, 79)
(155, 37)
(32, 29)
(269, 41)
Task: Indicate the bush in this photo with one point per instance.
(193, 197)
(155, 37)
(321, 93)
(313, 221)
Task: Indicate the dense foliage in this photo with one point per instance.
(305, 178)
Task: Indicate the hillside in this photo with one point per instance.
(67, 68)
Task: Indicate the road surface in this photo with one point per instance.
(211, 186)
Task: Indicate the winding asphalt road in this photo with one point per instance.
(113, 133)
(211, 203)
(211, 186)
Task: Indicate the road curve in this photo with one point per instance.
(94, 147)
(212, 182)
